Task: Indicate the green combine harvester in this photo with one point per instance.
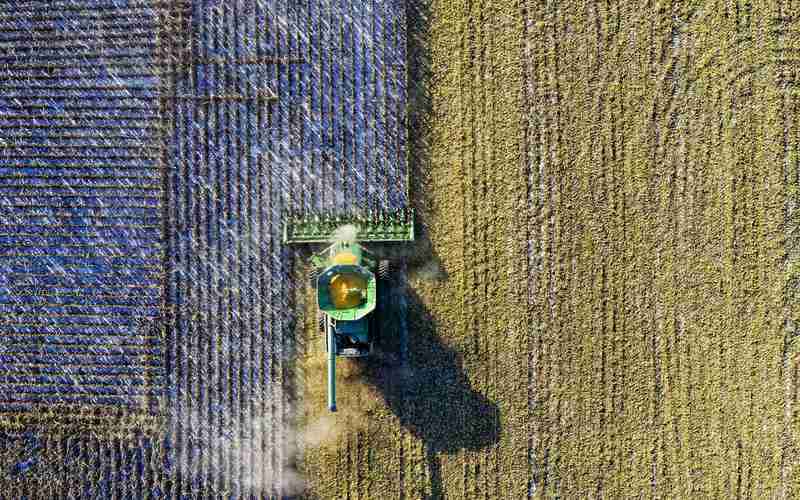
(346, 276)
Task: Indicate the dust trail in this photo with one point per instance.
(344, 234)
(322, 430)
(355, 399)
(428, 270)
(267, 473)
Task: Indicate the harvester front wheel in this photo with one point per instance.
(384, 269)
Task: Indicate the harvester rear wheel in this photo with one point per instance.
(312, 277)
(384, 269)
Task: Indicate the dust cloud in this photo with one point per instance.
(355, 399)
(258, 446)
(345, 234)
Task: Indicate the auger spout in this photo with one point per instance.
(331, 370)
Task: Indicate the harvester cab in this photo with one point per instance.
(346, 276)
(346, 295)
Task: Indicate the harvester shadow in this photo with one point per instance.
(423, 383)
(420, 377)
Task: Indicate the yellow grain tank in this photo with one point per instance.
(347, 290)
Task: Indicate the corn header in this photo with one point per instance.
(377, 226)
(347, 275)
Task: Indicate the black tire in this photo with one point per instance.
(384, 270)
(313, 274)
(321, 323)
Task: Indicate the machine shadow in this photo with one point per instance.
(423, 382)
(421, 378)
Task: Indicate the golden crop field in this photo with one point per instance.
(604, 301)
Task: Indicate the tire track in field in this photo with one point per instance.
(530, 160)
(784, 44)
(476, 356)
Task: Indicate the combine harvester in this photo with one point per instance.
(344, 275)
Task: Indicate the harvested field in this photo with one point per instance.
(661, 153)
